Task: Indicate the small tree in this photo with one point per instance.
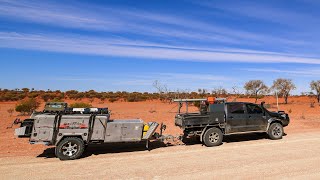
(25, 90)
(162, 90)
(202, 92)
(315, 86)
(219, 92)
(256, 88)
(283, 87)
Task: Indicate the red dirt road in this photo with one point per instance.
(295, 156)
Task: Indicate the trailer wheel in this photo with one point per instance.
(70, 148)
(212, 137)
(275, 131)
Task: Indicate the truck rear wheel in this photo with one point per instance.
(212, 137)
(70, 148)
(275, 131)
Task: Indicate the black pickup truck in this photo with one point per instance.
(226, 118)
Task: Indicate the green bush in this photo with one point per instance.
(80, 105)
(113, 99)
(27, 106)
(196, 104)
(57, 99)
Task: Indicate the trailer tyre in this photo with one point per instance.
(275, 131)
(212, 137)
(70, 148)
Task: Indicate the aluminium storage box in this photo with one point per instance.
(124, 130)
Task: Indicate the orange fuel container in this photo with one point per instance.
(211, 100)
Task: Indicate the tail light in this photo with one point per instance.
(83, 126)
(63, 126)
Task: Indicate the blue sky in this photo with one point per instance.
(127, 45)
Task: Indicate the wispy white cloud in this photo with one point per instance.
(199, 76)
(263, 11)
(133, 21)
(174, 80)
(76, 79)
(57, 15)
(298, 72)
(146, 50)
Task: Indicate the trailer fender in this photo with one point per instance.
(79, 135)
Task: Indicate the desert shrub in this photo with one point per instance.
(289, 111)
(91, 100)
(45, 97)
(267, 106)
(33, 94)
(80, 105)
(27, 106)
(113, 99)
(260, 96)
(56, 99)
(103, 98)
(242, 96)
(136, 97)
(196, 104)
(312, 104)
(10, 111)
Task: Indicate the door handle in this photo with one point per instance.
(249, 116)
(231, 117)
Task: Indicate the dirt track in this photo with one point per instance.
(245, 156)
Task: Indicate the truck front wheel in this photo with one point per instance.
(70, 148)
(275, 131)
(212, 137)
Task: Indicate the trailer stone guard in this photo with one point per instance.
(72, 130)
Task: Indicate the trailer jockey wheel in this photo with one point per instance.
(70, 148)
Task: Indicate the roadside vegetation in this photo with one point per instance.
(80, 105)
(28, 99)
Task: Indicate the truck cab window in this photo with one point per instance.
(236, 108)
(254, 109)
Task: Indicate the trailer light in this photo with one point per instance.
(85, 134)
(35, 134)
(63, 126)
(60, 134)
(83, 126)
